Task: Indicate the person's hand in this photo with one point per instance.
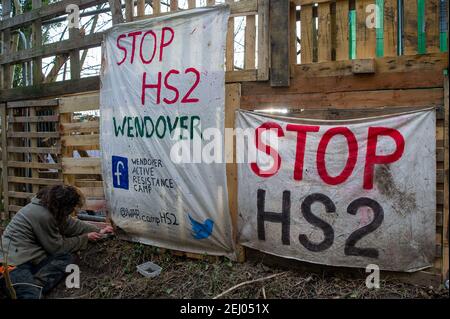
(107, 230)
(94, 236)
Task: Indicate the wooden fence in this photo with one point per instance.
(256, 35)
(324, 30)
(31, 150)
(40, 150)
(67, 141)
(346, 70)
(331, 91)
(256, 44)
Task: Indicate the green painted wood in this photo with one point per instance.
(352, 34)
(421, 31)
(380, 28)
(443, 25)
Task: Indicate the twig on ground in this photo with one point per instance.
(249, 282)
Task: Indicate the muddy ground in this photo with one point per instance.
(108, 270)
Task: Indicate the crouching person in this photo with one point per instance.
(39, 241)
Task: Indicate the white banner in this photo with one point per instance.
(344, 193)
(163, 82)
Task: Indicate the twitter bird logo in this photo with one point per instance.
(199, 230)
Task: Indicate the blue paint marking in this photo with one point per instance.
(199, 230)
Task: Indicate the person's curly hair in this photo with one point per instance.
(61, 200)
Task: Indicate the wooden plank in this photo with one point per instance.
(82, 127)
(421, 27)
(191, 4)
(207, 258)
(438, 254)
(20, 195)
(365, 36)
(6, 9)
(439, 217)
(232, 102)
(292, 36)
(75, 63)
(93, 191)
(440, 176)
(4, 144)
(210, 2)
(445, 258)
(315, 31)
(79, 103)
(363, 66)
(37, 181)
(33, 119)
(426, 63)
(129, 9)
(37, 43)
(15, 156)
(390, 27)
(445, 230)
(410, 28)
(80, 140)
(46, 12)
(33, 134)
(241, 76)
(116, 11)
(440, 133)
(141, 8)
(440, 156)
(84, 165)
(250, 43)
(84, 148)
(32, 103)
(379, 28)
(157, 7)
(173, 5)
(67, 151)
(34, 165)
(10, 43)
(341, 30)
(229, 60)
(243, 7)
(51, 89)
(88, 183)
(361, 99)
(324, 32)
(263, 40)
(440, 197)
(304, 83)
(308, 2)
(57, 48)
(14, 208)
(306, 40)
(38, 150)
(6, 68)
(279, 33)
(432, 25)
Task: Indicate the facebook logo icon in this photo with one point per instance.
(120, 172)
